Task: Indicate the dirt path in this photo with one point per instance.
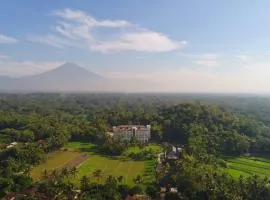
(75, 161)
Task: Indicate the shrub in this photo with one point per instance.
(222, 163)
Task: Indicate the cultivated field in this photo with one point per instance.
(87, 161)
(154, 147)
(54, 161)
(247, 166)
(115, 166)
(111, 166)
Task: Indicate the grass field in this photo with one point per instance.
(247, 166)
(53, 161)
(115, 166)
(154, 147)
(111, 166)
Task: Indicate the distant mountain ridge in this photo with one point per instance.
(67, 77)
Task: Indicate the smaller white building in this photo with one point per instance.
(11, 145)
(127, 132)
(173, 153)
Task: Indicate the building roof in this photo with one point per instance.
(13, 143)
(174, 189)
(130, 127)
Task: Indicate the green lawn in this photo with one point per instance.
(115, 166)
(247, 166)
(111, 166)
(53, 161)
(154, 147)
(81, 146)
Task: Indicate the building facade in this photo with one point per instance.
(127, 132)
(173, 153)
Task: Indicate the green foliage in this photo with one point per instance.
(112, 148)
(5, 186)
(207, 128)
(152, 191)
(44, 123)
(85, 184)
(145, 152)
(137, 189)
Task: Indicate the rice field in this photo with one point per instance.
(115, 166)
(54, 160)
(247, 166)
(111, 166)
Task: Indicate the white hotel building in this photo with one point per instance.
(126, 132)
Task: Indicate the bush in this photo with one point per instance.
(137, 189)
(222, 163)
(112, 149)
(152, 191)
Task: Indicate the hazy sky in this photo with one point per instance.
(219, 46)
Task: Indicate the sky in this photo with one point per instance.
(182, 45)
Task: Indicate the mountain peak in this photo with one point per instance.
(67, 77)
(69, 72)
(70, 65)
(70, 69)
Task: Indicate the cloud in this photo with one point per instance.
(3, 57)
(14, 68)
(207, 62)
(76, 28)
(52, 40)
(84, 18)
(141, 41)
(205, 59)
(243, 57)
(7, 40)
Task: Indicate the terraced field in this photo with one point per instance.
(247, 166)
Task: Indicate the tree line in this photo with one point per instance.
(42, 123)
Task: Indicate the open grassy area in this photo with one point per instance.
(80, 146)
(53, 161)
(154, 147)
(247, 166)
(115, 166)
(111, 166)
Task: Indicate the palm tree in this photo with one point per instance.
(65, 172)
(120, 179)
(54, 174)
(98, 175)
(73, 171)
(138, 179)
(85, 183)
(45, 174)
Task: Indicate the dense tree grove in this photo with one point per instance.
(208, 127)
